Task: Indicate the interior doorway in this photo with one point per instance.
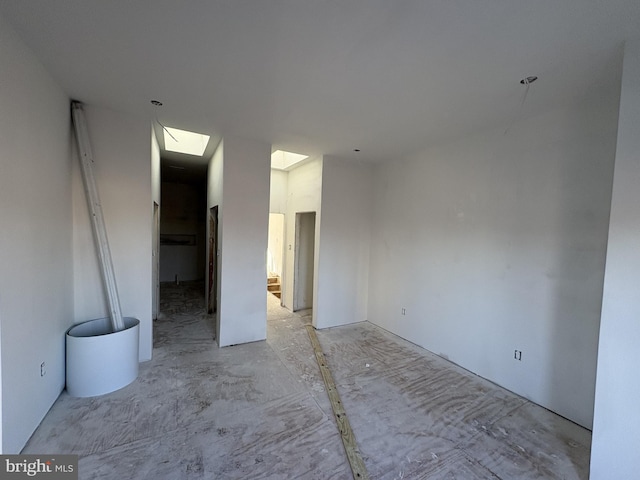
(275, 254)
(212, 294)
(304, 260)
(155, 254)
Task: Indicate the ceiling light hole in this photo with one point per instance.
(281, 160)
(183, 141)
(356, 149)
(528, 80)
(156, 103)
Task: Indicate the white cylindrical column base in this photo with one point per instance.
(99, 360)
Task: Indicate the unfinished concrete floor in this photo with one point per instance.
(260, 411)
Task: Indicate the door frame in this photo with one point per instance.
(297, 264)
(212, 294)
(155, 253)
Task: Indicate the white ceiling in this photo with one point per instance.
(325, 77)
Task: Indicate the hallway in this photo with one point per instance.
(259, 410)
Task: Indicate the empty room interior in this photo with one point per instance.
(445, 193)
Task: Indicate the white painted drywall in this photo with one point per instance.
(1, 420)
(36, 298)
(278, 193)
(304, 194)
(155, 235)
(616, 429)
(122, 156)
(179, 262)
(244, 218)
(304, 275)
(214, 198)
(497, 242)
(155, 169)
(343, 276)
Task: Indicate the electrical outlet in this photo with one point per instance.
(518, 355)
(404, 311)
(43, 369)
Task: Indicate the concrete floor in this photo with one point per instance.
(260, 411)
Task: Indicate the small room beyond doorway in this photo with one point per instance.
(182, 232)
(295, 197)
(275, 254)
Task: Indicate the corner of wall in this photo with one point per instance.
(243, 232)
(616, 422)
(304, 191)
(343, 243)
(214, 198)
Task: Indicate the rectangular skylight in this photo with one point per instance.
(281, 160)
(183, 141)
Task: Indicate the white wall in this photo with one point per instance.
(497, 242)
(304, 194)
(278, 192)
(244, 218)
(36, 299)
(616, 429)
(155, 235)
(305, 255)
(214, 198)
(122, 156)
(155, 170)
(1, 410)
(180, 261)
(343, 276)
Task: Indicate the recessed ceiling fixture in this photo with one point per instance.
(528, 80)
(183, 141)
(156, 103)
(281, 160)
(356, 149)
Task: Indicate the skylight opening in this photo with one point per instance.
(182, 141)
(281, 160)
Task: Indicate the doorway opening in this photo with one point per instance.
(212, 292)
(183, 224)
(304, 260)
(275, 254)
(155, 254)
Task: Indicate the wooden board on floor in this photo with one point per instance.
(348, 439)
